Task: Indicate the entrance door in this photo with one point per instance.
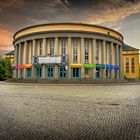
(38, 73)
(76, 73)
(50, 72)
(97, 73)
(62, 72)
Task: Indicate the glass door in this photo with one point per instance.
(76, 73)
(62, 72)
(97, 73)
(38, 72)
(50, 72)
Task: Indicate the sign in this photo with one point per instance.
(49, 60)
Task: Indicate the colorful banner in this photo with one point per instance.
(76, 65)
(89, 66)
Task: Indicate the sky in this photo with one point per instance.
(120, 15)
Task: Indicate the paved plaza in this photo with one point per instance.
(69, 112)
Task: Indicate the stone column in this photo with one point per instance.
(56, 53)
(19, 60)
(44, 53)
(121, 63)
(104, 58)
(94, 58)
(15, 62)
(82, 57)
(69, 57)
(34, 54)
(25, 57)
(112, 60)
(117, 60)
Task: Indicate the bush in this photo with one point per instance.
(5, 69)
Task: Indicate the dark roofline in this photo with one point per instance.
(10, 53)
(68, 24)
(128, 48)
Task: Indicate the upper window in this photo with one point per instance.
(127, 65)
(97, 52)
(132, 65)
(86, 51)
(51, 47)
(64, 46)
(75, 51)
(41, 48)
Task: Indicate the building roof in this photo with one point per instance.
(10, 53)
(128, 48)
(52, 27)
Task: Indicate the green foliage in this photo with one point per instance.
(5, 69)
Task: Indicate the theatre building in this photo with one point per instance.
(68, 50)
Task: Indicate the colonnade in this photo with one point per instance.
(23, 56)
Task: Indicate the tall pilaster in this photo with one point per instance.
(25, 57)
(117, 59)
(112, 60)
(104, 58)
(69, 57)
(82, 57)
(94, 58)
(44, 53)
(19, 60)
(15, 62)
(121, 63)
(56, 53)
(34, 54)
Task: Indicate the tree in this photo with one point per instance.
(5, 69)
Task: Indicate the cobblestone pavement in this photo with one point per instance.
(39, 112)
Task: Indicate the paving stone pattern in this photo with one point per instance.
(41, 112)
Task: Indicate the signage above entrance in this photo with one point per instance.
(50, 60)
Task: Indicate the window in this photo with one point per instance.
(50, 72)
(29, 73)
(97, 52)
(76, 73)
(63, 46)
(132, 65)
(63, 51)
(62, 72)
(41, 48)
(86, 51)
(75, 51)
(86, 71)
(127, 65)
(51, 47)
(38, 72)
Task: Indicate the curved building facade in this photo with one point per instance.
(68, 50)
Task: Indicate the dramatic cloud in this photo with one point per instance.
(16, 14)
(10, 3)
(5, 41)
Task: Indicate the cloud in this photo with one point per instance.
(10, 3)
(5, 39)
(15, 14)
(110, 13)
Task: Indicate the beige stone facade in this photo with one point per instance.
(87, 51)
